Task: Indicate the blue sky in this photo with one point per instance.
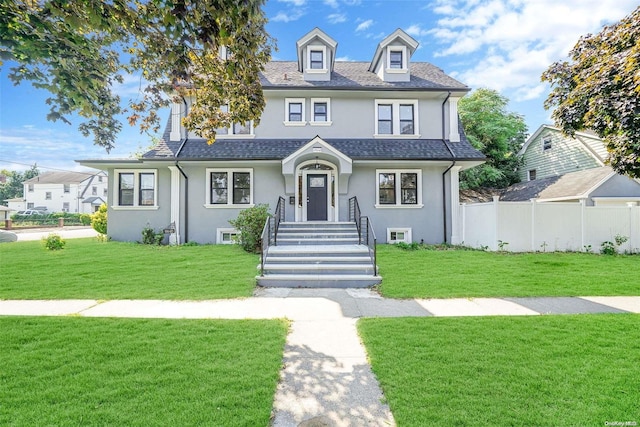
(499, 44)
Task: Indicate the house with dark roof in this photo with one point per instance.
(383, 134)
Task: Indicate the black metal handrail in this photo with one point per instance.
(366, 235)
(270, 231)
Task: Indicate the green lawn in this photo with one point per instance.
(459, 273)
(88, 269)
(117, 372)
(578, 370)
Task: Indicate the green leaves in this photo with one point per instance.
(77, 50)
(599, 89)
(499, 134)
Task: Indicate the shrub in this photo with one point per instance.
(53, 242)
(85, 219)
(99, 219)
(150, 237)
(608, 248)
(249, 224)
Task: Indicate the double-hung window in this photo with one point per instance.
(316, 59)
(239, 129)
(399, 188)
(395, 59)
(229, 187)
(321, 112)
(294, 112)
(136, 188)
(396, 118)
(66, 188)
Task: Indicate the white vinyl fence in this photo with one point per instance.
(547, 226)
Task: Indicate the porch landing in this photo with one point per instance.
(318, 255)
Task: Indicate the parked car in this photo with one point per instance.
(31, 212)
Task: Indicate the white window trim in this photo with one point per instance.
(398, 203)
(231, 135)
(221, 231)
(312, 122)
(529, 174)
(544, 140)
(288, 101)
(405, 230)
(322, 70)
(136, 190)
(229, 204)
(405, 59)
(395, 107)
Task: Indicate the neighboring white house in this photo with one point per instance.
(548, 152)
(75, 192)
(16, 204)
(4, 212)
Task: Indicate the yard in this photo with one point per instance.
(577, 370)
(88, 269)
(470, 273)
(79, 371)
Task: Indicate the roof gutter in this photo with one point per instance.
(444, 186)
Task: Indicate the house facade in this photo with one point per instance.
(385, 132)
(75, 192)
(548, 152)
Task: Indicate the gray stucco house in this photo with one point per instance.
(385, 132)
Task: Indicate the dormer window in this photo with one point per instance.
(316, 60)
(395, 59)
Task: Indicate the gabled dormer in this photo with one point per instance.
(316, 55)
(391, 62)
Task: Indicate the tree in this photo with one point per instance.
(497, 133)
(599, 89)
(13, 187)
(78, 50)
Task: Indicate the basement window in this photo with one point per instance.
(396, 235)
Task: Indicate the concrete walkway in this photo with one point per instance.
(326, 379)
(70, 232)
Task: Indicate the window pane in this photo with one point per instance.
(409, 185)
(242, 129)
(395, 59)
(295, 112)
(219, 188)
(125, 189)
(241, 188)
(316, 60)
(406, 119)
(385, 114)
(320, 112)
(387, 188)
(147, 186)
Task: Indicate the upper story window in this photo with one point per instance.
(399, 188)
(47, 195)
(395, 59)
(237, 129)
(294, 114)
(316, 59)
(229, 187)
(66, 188)
(100, 179)
(546, 144)
(30, 188)
(396, 117)
(321, 108)
(94, 191)
(136, 188)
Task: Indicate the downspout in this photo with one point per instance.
(444, 187)
(186, 181)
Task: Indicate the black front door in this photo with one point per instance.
(316, 197)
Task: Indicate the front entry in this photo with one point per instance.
(317, 197)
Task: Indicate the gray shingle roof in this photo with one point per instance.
(355, 75)
(357, 149)
(59, 178)
(573, 184)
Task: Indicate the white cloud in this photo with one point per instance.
(416, 30)
(294, 2)
(331, 3)
(364, 25)
(344, 58)
(511, 42)
(336, 18)
(293, 15)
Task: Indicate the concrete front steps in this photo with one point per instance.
(318, 255)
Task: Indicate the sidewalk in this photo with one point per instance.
(68, 232)
(326, 379)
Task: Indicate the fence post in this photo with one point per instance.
(463, 223)
(533, 225)
(60, 222)
(583, 207)
(8, 223)
(496, 200)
